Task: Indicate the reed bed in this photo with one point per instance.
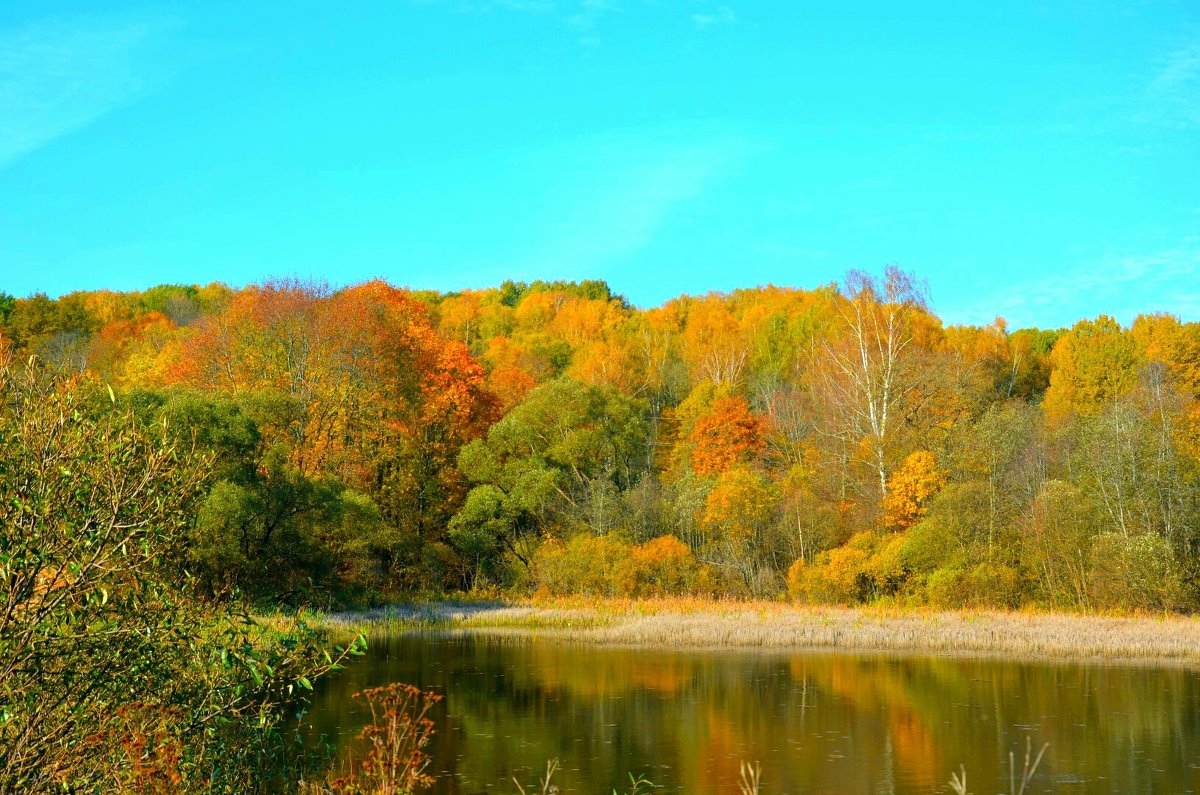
(706, 624)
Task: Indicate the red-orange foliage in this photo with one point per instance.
(401, 359)
(412, 396)
(727, 435)
(152, 745)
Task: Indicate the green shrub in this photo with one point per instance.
(1138, 573)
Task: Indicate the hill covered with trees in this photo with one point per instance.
(839, 444)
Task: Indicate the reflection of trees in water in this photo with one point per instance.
(817, 722)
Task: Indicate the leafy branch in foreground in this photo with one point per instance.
(114, 674)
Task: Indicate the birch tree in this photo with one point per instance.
(868, 371)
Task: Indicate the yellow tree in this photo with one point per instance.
(510, 373)
(737, 513)
(460, 316)
(609, 362)
(112, 348)
(714, 344)
(1093, 364)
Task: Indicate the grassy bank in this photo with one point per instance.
(692, 623)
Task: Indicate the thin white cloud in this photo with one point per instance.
(1123, 285)
(1182, 69)
(618, 191)
(1173, 95)
(590, 12)
(721, 15)
(59, 75)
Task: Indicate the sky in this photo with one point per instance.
(1034, 160)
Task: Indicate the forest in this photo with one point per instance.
(839, 444)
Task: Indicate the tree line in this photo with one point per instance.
(839, 444)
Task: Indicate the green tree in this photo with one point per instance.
(552, 462)
(264, 527)
(7, 304)
(31, 319)
(1057, 531)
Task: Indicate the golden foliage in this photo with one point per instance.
(910, 487)
(1094, 363)
(607, 566)
(740, 503)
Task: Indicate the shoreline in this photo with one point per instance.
(690, 624)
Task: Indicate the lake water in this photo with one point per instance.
(816, 722)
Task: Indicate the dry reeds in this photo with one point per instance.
(638, 785)
(396, 737)
(696, 623)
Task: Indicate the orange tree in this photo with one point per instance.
(728, 435)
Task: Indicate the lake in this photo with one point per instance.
(816, 722)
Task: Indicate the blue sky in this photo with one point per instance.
(1040, 161)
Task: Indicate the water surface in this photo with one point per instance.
(816, 722)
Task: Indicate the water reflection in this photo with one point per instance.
(818, 723)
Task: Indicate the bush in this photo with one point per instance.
(838, 575)
(797, 586)
(660, 567)
(586, 564)
(947, 588)
(929, 546)
(869, 566)
(1136, 573)
(995, 585)
(885, 570)
(607, 566)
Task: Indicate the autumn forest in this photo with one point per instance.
(838, 444)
